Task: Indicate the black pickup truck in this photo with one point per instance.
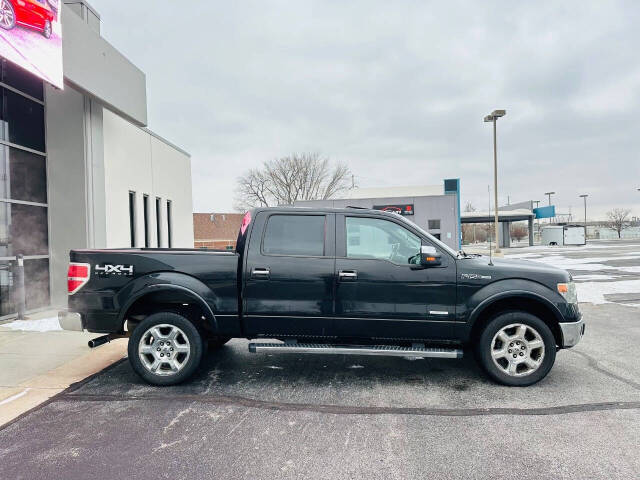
(345, 281)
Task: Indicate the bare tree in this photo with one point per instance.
(618, 219)
(285, 180)
(519, 231)
(469, 207)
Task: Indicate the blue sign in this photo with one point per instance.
(545, 212)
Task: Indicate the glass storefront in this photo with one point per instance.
(23, 188)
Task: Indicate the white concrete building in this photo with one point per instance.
(79, 168)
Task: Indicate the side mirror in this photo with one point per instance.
(429, 256)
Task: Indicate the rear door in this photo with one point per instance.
(289, 275)
(380, 293)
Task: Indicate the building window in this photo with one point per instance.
(22, 121)
(158, 222)
(437, 235)
(23, 230)
(23, 175)
(145, 214)
(24, 225)
(169, 226)
(434, 224)
(22, 80)
(132, 218)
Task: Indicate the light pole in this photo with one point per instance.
(549, 195)
(493, 117)
(584, 197)
(537, 202)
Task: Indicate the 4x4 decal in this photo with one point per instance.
(109, 269)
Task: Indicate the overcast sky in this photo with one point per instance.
(397, 90)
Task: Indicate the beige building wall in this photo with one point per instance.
(135, 160)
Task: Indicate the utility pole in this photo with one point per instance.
(584, 197)
(549, 195)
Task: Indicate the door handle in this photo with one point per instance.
(348, 275)
(260, 273)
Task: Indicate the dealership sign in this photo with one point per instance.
(31, 37)
(406, 209)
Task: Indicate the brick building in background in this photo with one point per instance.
(216, 230)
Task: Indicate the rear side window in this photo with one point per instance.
(294, 235)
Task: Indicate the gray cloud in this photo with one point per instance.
(398, 90)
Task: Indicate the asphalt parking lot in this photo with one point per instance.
(295, 416)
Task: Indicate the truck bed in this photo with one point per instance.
(119, 277)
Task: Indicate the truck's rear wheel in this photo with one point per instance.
(516, 349)
(165, 348)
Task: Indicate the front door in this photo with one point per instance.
(289, 275)
(380, 291)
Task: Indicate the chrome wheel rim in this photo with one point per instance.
(164, 350)
(6, 14)
(517, 350)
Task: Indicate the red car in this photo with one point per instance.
(35, 14)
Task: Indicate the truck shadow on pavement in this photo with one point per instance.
(367, 384)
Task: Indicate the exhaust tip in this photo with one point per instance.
(96, 342)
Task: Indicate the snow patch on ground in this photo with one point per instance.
(41, 325)
(594, 292)
(355, 366)
(635, 269)
(591, 264)
(587, 278)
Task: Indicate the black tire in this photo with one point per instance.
(497, 370)
(46, 32)
(187, 338)
(7, 15)
(215, 343)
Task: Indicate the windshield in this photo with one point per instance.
(433, 239)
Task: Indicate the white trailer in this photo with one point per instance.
(564, 235)
(552, 235)
(575, 235)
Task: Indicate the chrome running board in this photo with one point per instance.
(385, 350)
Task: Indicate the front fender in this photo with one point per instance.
(159, 281)
(502, 289)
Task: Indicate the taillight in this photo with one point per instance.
(77, 276)
(246, 220)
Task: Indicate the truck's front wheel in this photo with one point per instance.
(165, 348)
(516, 349)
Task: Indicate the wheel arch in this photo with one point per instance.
(168, 297)
(529, 302)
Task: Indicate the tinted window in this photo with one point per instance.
(22, 80)
(145, 214)
(169, 225)
(381, 239)
(23, 175)
(294, 235)
(158, 225)
(6, 288)
(434, 224)
(36, 280)
(22, 121)
(23, 229)
(132, 218)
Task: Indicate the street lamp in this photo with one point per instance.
(584, 197)
(549, 195)
(493, 117)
